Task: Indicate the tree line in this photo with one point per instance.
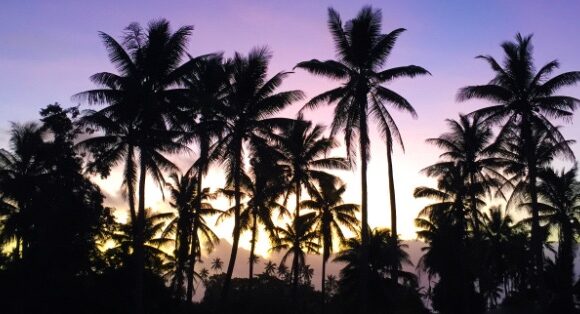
(64, 250)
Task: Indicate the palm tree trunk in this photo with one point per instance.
(236, 233)
(295, 266)
(394, 233)
(364, 259)
(253, 243)
(194, 239)
(536, 243)
(130, 187)
(566, 266)
(474, 212)
(323, 281)
(192, 260)
(138, 228)
(182, 255)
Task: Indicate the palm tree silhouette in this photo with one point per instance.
(217, 264)
(20, 171)
(303, 153)
(525, 99)
(444, 226)
(207, 89)
(467, 147)
(306, 274)
(362, 51)
(268, 184)
(141, 110)
(154, 240)
(298, 239)
(251, 100)
(282, 271)
(331, 215)
(270, 268)
(189, 226)
(559, 205)
(499, 233)
(384, 256)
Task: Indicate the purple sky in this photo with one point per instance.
(48, 49)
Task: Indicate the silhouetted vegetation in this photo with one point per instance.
(64, 251)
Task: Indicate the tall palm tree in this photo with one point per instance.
(142, 102)
(362, 51)
(207, 89)
(252, 100)
(559, 194)
(303, 153)
(331, 215)
(524, 99)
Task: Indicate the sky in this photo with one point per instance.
(48, 50)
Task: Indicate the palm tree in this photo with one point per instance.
(20, 171)
(181, 191)
(525, 99)
(559, 194)
(142, 103)
(217, 264)
(467, 147)
(331, 215)
(282, 271)
(268, 184)
(444, 226)
(262, 187)
(384, 256)
(307, 274)
(154, 240)
(362, 51)
(297, 239)
(270, 268)
(303, 152)
(207, 88)
(499, 236)
(251, 100)
(189, 227)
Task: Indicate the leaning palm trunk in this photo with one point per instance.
(236, 233)
(394, 234)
